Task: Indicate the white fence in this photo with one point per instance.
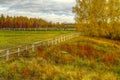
(19, 49)
(40, 29)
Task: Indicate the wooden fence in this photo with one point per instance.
(19, 49)
(39, 29)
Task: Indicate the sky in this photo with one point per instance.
(50, 10)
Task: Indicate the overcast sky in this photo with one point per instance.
(51, 10)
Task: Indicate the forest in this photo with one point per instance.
(25, 22)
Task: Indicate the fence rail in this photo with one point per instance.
(41, 29)
(19, 49)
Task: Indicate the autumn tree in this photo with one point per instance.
(98, 18)
(25, 22)
(2, 20)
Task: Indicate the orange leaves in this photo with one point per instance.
(66, 53)
(41, 53)
(79, 50)
(87, 52)
(26, 72)
(109, 59)
(25, 22)
(40, 49)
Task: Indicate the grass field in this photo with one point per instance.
(82, 58)
(14, 38)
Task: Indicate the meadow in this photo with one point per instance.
(93, 55)
(14, 38)
(82, 58)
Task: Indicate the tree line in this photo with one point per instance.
(98, 18)
(25, 22)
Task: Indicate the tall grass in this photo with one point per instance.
(66, 61)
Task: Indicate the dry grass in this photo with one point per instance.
(78, 59)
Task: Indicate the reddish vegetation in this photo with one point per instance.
(53, 53)
(85, 52)
(110, 59)
(25, 22)
(40, 51)
(26, 72)
(90, 53)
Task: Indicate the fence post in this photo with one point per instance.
(48, 42)
(55, 41)
(7, 54)
(18, 51)
(71, 36)
(68, 37)
(64, 38)
(52, 41)
(33, 48)
(43, 43)
(59, 40)
(26, 48)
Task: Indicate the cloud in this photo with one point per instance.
(52, 10)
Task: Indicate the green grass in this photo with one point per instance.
(13, 38)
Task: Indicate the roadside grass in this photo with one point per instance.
(14, 38)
